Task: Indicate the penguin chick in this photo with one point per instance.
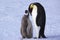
(26, 26)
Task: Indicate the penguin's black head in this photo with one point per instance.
(26, 13)
(32, 5)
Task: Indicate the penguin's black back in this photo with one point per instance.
(41, 17)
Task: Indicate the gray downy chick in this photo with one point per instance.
(26, 26)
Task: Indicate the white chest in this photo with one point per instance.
(34, 14)
(36, 29)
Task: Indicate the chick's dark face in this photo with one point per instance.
(30, 8)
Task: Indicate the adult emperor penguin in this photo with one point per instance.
(38, 14)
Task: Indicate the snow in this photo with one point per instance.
(11, 12)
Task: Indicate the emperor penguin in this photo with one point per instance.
(26, 26)
(39, 18)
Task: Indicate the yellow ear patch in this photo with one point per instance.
(31, 6)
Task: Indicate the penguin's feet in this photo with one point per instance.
(42, 36)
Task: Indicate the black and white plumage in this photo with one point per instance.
(26, 26)
(39, 18)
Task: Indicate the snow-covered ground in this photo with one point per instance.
(11, 12)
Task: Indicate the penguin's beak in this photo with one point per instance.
(30, 8)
